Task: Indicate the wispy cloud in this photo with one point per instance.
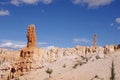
(112, 24)
(46, 1)
(4, 3)
(4, 12)
(15, 2)
(119, 28)
(12, 44)
(42, 43)
(82, 40)
(116, 23)
(92, 3)
(18, 2)
(118, 20)
(49, 47)
(30, 2)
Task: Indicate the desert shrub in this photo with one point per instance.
(112, 71)
(97, 77)
(75, 65)
(49, 71)
(64, 65)
(8, 77)
(97, 57)
(17, 79)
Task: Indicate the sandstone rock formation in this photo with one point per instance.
(26, 54)
(15, 64)
(25, 59)
(31, 36)
(95, 40)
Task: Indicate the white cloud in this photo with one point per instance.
(118, 28)
(93, 3)
(112, 24)
(16, 44)
(118, 20)
(15, 2)
(3, 3)
(30, 1)
(12, 44)
(46, 1)
(42, 43)
(4, 12)
(82, 40)
(49, 47)
(18, 2)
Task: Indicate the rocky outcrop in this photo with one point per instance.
(55, 53)
(27, 58)
(31, 57)
(95, 40)
(109, 49)
(26, 54)
(31, 36)
(118, 46)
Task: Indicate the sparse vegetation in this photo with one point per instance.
(75, 65)
(112, 71)
(49, 71)
(97, 77)
(64, 66)
(8, 77)
(17, 79)
(2, 60)
(78, 62)
(97, 57)
(85, 58)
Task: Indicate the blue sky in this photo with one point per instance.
(61, 23)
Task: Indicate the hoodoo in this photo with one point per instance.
(27, 53)
(31, 36)
(95, 40)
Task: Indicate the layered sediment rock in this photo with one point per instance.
(31, 57)
(31, 36)
(95, 40)
(28, 56)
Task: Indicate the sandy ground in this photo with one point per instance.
(63, 69)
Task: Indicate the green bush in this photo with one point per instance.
(75, 65)
(49, 71)
(112, 72)
(64, 66)
(17, 79)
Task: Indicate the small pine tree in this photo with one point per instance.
(64, 66)
(49, 71)
(17, 79)
(8, 78)
(112, 72)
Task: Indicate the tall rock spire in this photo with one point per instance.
(26, 54)
(31, 36)
(95, 40)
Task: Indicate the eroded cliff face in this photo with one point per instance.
(31, 36)
(15, 64)
(29, 57)
(95, 40)
(26, 54)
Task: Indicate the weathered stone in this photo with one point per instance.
(31, 36)
(95, 40)
(118, 46)
(26, 54)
